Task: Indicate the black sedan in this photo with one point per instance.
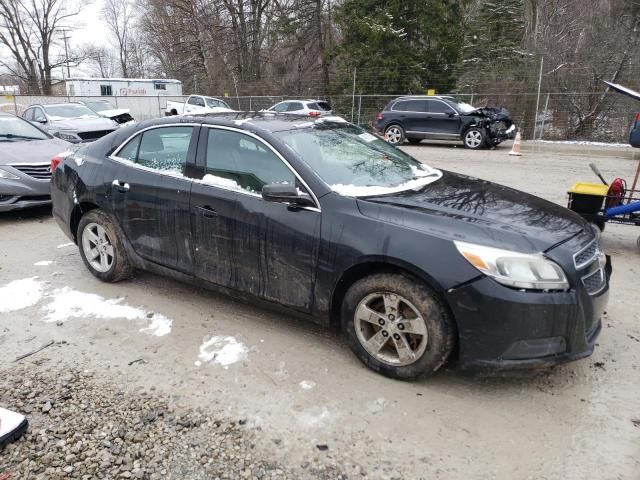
(416, 265)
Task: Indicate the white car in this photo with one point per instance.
(312, 108)
(121, 116)
(197, 104)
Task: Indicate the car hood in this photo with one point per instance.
(84, 124)
(31, 151)
(473, 210)
(113, 113)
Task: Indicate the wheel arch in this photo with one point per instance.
(79, 210)
(371, 266)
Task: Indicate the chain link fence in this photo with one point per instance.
(549, 116)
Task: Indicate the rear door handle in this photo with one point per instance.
(207, 211)
(120, 186)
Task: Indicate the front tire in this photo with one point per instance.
(397, 326)
(394, 134)
(101, 247)
(474, 138)
(414, 141)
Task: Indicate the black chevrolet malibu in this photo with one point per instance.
(416, 265)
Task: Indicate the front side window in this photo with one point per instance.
(295, 107)
(436, 106)
(281, 107)
(38, 115)
(355, 163)
(164, 149)
(239, 162)
(28, 114)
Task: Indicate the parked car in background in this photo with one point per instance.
(25, 163)
(72, 122)
(422, 117)
(415, 264)
(311, 108)
(104, 108)
(197, 104)
(634, 134)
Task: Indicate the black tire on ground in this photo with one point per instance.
(600, 224)
(474, 138)
(441, 332)
(121, 268)
(414, 141)
(395, 134)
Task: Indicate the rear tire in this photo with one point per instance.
(474, 138)
(397, 326)
(101, 248)
(394, 134)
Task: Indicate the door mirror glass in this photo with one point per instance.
(451, 114)
(285, 193)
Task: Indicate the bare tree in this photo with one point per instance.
(120, 20)
(30, 30)
(102, 60)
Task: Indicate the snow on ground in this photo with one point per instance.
(222, 350)
(67, 303)
(43, 263)
(20, 294)
(65, 245)
(582, 142)
(307, 384)
(314, 417)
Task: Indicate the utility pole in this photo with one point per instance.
(66, 51)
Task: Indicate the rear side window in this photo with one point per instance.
(28, 115)
(436, 106)
(281, 107)
(38, 115)
(196, 101)
(164, 149)
(410, 106)
(324, 106)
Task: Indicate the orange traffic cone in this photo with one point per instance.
(515, 149)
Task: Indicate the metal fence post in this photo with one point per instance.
(535, 121)
(250, 104)
(353, 95)
(159, 106)
(359, 108)
(15, 105)
(116, 99)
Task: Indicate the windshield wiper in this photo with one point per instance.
(19, 137)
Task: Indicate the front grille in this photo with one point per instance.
(41, 171)
(594, 282)
(585, 256)
(93, 135)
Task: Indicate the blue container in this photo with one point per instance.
(622, 209)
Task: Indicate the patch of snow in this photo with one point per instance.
(221, 350)
(377, 405)
(367, 137)
(20, 294)
(307, 384)
(43, 263)
(424, 176)
(313, 417)
(68, 303)
(216, 181)
(582, 142)
(65, 245)
(239, 122)
(159, 327)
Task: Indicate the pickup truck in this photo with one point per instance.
(197, 104)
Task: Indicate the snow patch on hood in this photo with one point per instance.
(20, 294)
(68, 303)
(423, 177)
(221, 350)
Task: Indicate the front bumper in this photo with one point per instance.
(24, 192)
(503, 328)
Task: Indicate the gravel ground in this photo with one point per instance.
(82, 426)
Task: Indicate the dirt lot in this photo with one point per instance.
(296, 400)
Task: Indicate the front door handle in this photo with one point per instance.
(208, 211)
(120, 186)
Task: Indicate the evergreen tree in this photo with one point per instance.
(398, 46)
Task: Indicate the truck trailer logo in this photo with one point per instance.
(132, 91)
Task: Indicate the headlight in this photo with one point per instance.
(72, 137)
(518, 270)
(8, 176)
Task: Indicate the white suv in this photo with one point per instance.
(312, 108)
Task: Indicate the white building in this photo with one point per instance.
(118, 87)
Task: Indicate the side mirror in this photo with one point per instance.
(285, 193)
(452, 114)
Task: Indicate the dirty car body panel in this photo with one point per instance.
(303, 259)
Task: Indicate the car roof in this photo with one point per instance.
(269, 122)
(54, 104)
(424, 97)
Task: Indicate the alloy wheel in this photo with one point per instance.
(394, 135)
(390, 328)
(473, 139)
(97, 247)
